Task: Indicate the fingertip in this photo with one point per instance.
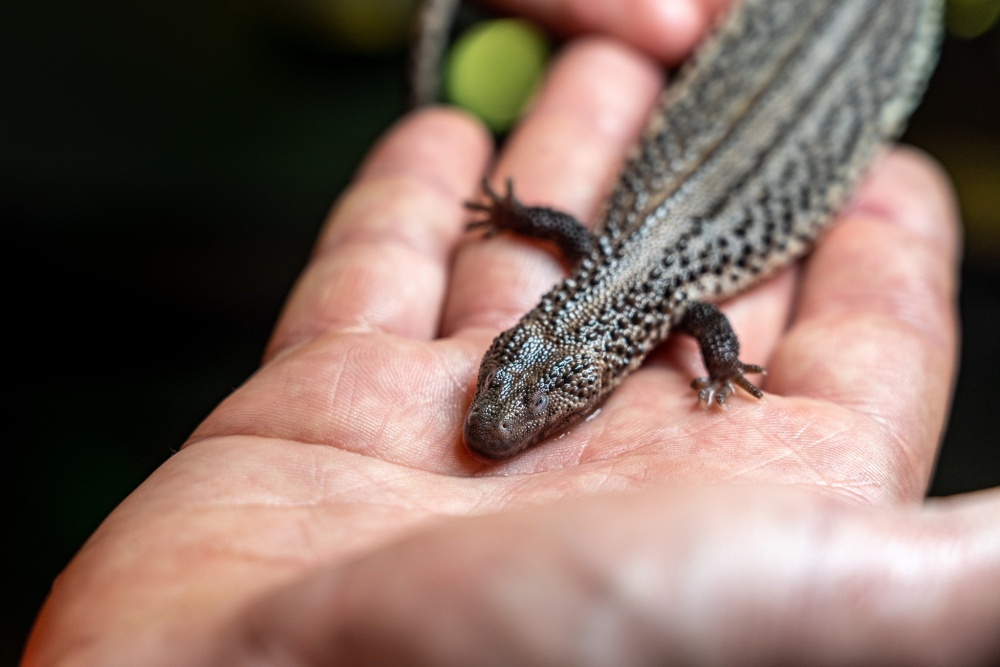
(670, 29)
(443, 143)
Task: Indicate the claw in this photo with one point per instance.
(720, 389)
(501, 210)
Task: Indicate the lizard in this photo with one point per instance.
(745, 159)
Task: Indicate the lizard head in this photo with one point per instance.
(528, 387)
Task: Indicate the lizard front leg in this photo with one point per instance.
(540, 222)
(720, 351)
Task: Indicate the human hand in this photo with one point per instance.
(327, 512)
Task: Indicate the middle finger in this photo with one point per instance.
(564, 154)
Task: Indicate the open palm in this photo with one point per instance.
(319, 512)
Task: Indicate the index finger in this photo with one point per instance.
(381, 261)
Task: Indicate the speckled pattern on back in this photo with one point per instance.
(746, 158)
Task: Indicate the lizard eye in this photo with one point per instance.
(491, 380)
(539, 402)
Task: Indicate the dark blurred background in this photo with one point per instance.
(164, 167)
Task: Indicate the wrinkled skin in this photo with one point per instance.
(327, 512)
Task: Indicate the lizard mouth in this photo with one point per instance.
(492, 438)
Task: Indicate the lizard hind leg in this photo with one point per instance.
(720, 351)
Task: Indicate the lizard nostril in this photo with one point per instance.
(505, 426)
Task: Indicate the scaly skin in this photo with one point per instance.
(744, 161)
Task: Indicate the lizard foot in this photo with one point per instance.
(719, 389)
(502, 211)
(505, 212)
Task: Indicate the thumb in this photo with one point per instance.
(701, 575)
